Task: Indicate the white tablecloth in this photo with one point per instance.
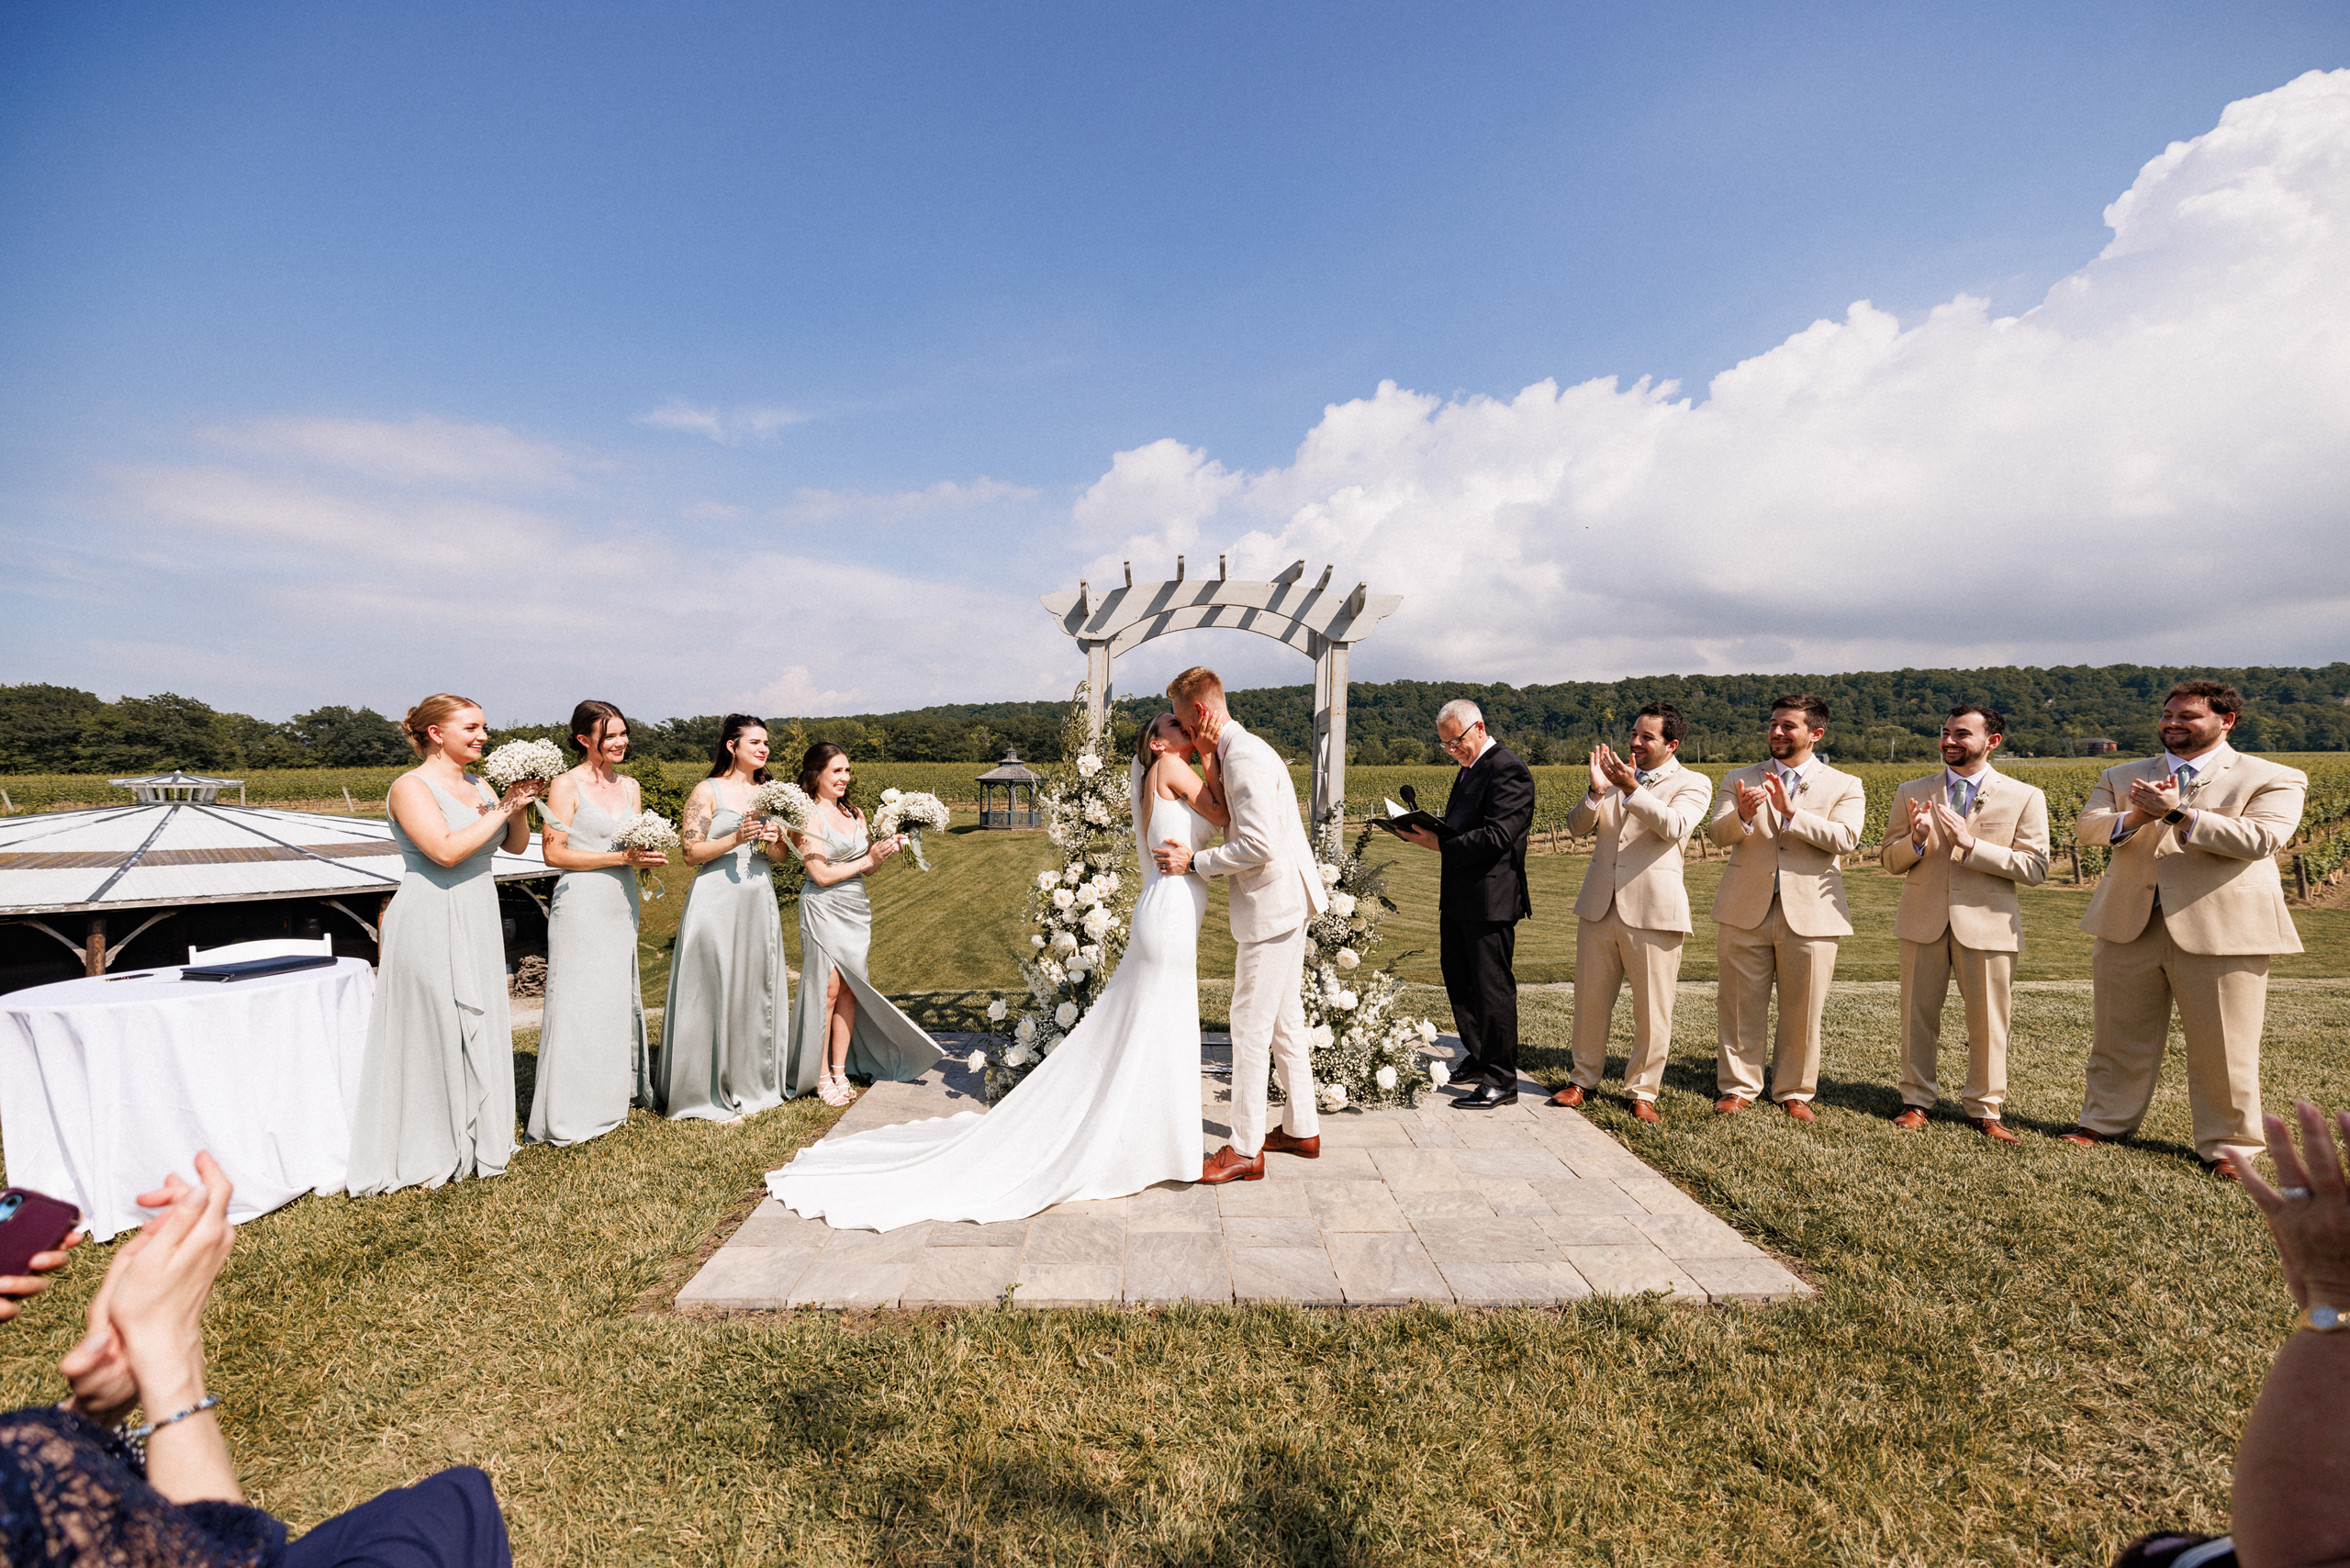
(107, 1086)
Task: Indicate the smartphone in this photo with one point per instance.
(32, 1222)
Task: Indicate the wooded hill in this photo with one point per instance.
(1880, 715)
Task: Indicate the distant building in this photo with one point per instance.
(2097, 745)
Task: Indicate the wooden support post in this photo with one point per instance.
(1329, 755)
(2301, 876)
(349, 804)
(2074, 850)
(1097, 700)
(93, 951)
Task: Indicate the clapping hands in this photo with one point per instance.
(1608, 770)
(1752, 797)
(2150, 801)
(146, 1340)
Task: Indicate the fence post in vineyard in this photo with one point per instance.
(2301, 876)
(8, 802)
(2076, 851)
(348, 803)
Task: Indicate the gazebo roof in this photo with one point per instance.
(177, 785)
(183, 852)
(1012, 770)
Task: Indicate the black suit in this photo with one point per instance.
(1483, 898)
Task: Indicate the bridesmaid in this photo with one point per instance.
(842, 1026)
(436, 1085)
(592, 1056)
(726, 975)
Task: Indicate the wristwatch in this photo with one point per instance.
(2175, 817)
(2322, 1319)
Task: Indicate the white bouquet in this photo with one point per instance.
(909, 813)
(787, 803)
(518, 760)
(646, 830)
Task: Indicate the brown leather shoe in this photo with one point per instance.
(1989, 1127)
(1730, 1104)
(2081, 1138)
(1910, 1119)
(1798, 1109)
(1223, 1166)
(1280, 1142)
(1642, 1111)
(2221, 1169)
(1570, 1096)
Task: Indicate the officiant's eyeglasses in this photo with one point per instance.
(1465, 740)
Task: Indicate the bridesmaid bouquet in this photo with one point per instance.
(646, 830)
(909, 811)
(518, 760)
(785, 801)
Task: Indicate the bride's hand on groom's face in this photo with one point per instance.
(1173, 859)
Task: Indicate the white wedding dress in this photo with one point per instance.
(1114, 1109)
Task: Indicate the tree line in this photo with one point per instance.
(1879, 715)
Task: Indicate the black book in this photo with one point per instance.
(1399, 820)
(254, 968)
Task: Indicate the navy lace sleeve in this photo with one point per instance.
(72, 1494)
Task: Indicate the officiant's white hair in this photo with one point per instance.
(1461, 712)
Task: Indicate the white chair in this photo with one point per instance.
(268, 948)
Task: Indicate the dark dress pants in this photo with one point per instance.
(1476, 957)
(449, 1520)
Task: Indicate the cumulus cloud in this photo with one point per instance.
(728, 427)
(2151, 463)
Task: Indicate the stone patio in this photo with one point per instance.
(1528, 1204)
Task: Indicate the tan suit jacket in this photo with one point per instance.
(1275, 886)
(1798, 858)
(1635, 864)
(2221, 891)
(1971, 896)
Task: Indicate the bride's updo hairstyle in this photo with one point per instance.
(434, 710)
(722, 759)
(1145, 735)
(589, 719)
(811, 767)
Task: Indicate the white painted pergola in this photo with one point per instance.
(1318, 623)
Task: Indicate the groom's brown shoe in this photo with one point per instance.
(1223, 1165)
(1280, 1142)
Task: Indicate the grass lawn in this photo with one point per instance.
(2020, 1355)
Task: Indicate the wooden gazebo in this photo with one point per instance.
(1011, 775)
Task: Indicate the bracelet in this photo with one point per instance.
(140, 1434)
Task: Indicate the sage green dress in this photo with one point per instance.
(836, 933)
(727, 992)
(436, 1085)
(592, 1058)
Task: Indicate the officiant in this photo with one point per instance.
(1482, 899)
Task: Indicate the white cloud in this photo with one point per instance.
(900, 506)
(424, 451)
(2155, 463)
(728, 427)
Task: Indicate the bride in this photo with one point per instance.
(1114, 1109)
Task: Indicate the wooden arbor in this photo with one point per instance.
(1316, 621)
(1012, 777)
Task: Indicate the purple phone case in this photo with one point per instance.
(39, 1224)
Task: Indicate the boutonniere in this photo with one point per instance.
(1802, 785)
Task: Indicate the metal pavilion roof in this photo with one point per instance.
(146, 854)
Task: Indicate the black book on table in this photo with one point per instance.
(255, 968)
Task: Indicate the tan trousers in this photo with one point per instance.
(2222, 1002)
(1751, 961)
(1987, 984)
(1268, 1030)
(1608, 952)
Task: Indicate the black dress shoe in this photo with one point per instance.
(1486, 1097)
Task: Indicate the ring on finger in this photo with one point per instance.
(2298, 1195)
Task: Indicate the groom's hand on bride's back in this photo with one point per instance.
(1174, 860)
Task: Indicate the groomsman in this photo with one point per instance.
(2189, 911)
(1481, 898)
(1781, 906)
(1972, 834)
(1633, 912)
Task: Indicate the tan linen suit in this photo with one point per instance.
(2195, 923)
(1959, 915)
(1631, 920)
(1780, 910)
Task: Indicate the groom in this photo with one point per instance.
(1275, 891)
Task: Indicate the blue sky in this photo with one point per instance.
(744, 354)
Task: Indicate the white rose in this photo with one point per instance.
(1063, 898)
(1318, 1038)
(1096, 922)
(1342, 904)
(1089, 892)
(1358, 923)
(977, 1061)
(1019, 1056)
(1110, 884)
(1091, 953)
(1088, 765)
(1065, 1014)
(1052, 1043)
(1074, 873)
(1348, 957)
(1044, 881)
(1063, 941)
(1331, 1096)
(888, 796)
(1427, 1031)
(996, 1010)
(1330, 875)
(1439, 1074)
(1096, 814)
(1385, 1078)
(1037, 940)
(1076, 973)
(1345, 1001)
(1027, 1030)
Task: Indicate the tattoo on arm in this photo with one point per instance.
(697, 821)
